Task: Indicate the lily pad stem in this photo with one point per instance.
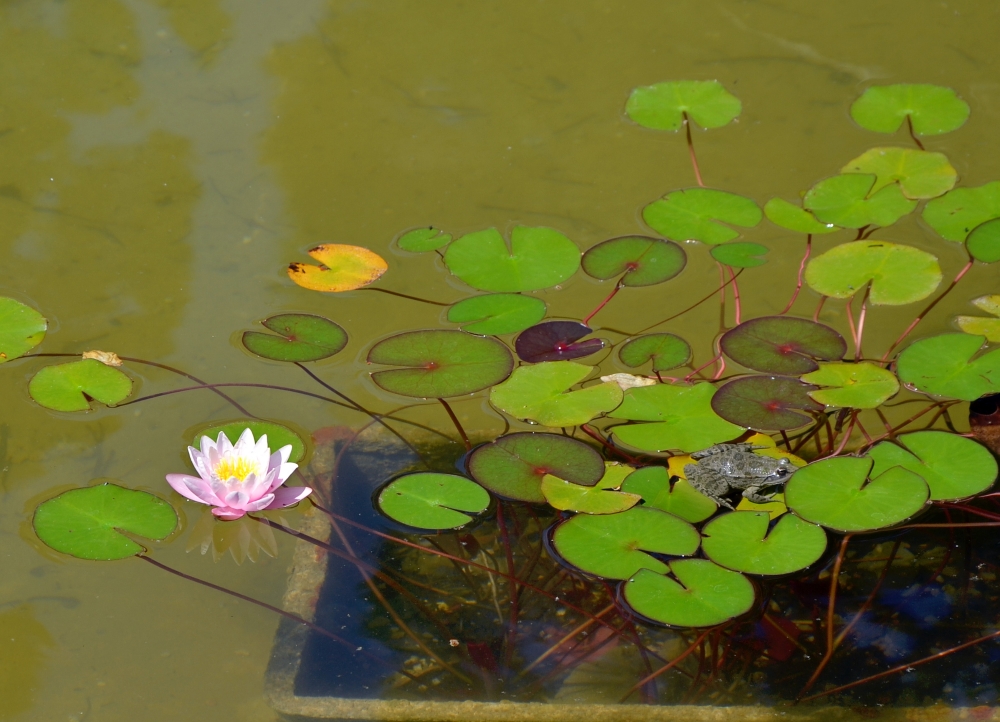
(602, 304)
(568, 637)
(909, 127)
(404, 295)
(668, 666)
(689, 308)
(736, 296)
(798, 282)
(690, 144)
(458, 425)
(512, 581)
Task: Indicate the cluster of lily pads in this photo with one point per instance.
(637, 520)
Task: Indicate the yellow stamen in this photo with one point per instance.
(237, 467)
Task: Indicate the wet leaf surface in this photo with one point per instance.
(694, 214)
(955, 214)
(429, 500)
(497, 314)
(300, 337)
(540, 392)
(440, 363)
(278, 435)
(740, 255)
(782, 344)
(681, 499)
(556, 341)
(861, 385)
(744, 542)
(898, 274)
(844, 200)
(984, 242)
(91, 523)
(537, 258)
(698, 593)
(982, 325)
(766, 403)
(920, 174)
(665, 350)
(662, 106)
(598, 499)
(681, 418)
(934, 109)
(638, 260)
(953, 466)
(946, 365)
(343, 268)
(422, 240)
(71, 386)
(513, 466)
(21, 329)
(795, 218)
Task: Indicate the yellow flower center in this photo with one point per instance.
(237, 467)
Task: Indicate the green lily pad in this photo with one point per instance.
(698, 593)
(71, 386)
(639, 260)
(920, 173)
(681, 499)
(795, 218)
(89, 523)
(615, 546)
(598, 499)
(955, 214)
(278, 435)
(497, 313)
(537, 258)
(766, 403)
(744, 542)
(845, 201)
(422, 240)
(933, 109)
(21, 329)
(782, 344)
(953, 466)
(981, 325)
(693, 214)
(665, 350)
(540, 393)
(853, 385)
(682, 418)
(662, 106)
(898, 274)
(514, 465)
(429, 500)
(984, 242)
(301, 337)
(440, 363)
(837, 494)
(944, 366)
(740, 255)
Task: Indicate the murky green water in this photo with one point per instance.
(162, 161)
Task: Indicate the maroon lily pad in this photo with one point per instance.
(556, 341)
(783, 345)
(766, 403)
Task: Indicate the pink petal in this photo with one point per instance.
(262, 503)
(288, 495)
(227, 514)
(236, 499)
(258, 486)
(193, 488)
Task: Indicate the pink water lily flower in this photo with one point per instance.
(238, 479)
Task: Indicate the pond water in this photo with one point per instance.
(161, 163)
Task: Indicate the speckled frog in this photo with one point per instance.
(725, 468)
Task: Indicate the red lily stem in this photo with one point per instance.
(850, 322)
(689, 308)
(703, 366)
(669, 665)
(458, 425)
(288, 615)
(819, 307)
(861, 323)
(736, 295)
(404, 295)
(930, 306)
(722, 297)
(512, 581)
(909, 127)
(690, 144)
(602, 304)
(802, 270)
(847, 433)
(903, 667)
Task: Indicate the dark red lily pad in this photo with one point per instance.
(783, 345)
(766, 403)
(556, 341)
(639, 260)
(513, 466)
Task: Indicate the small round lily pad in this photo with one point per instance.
(514, 465)
(662, 106)
(21, 329)
(766, 403)
(601, 498)
(681, 499)
(955, 214)
(342, 268)
(665, 350)
(847, 200)
(540, 392)
(638, 260)
(795, 218)
(92, 523)
(698, 593)
(984, 242)
(744, 541)
(422, 240)
(782, 344)
(278, 435)
(953, 466)
(429, 500)
(898, 274)
(497, 314)
(701, 214)
(71, 386)
(300, 337)
(740, 254)
(933, 109)
(537, 258)
(948, 365)
(861, 385)
(920, 173)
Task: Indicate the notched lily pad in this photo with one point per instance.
(71, 386)
(342, 268)
(795, 218)
(497, 314)
(698, 593)
(602, 498)
(740, 255)
(853, 385)
(933, 109)
(953, 466)
(300, 337)
(91, 523)
(665, 350)
(422, 240)
(540, 392)
(694, 214)
(514, 465)
(898, 274)
(744, 541)
(639, 260)
(766, 403)
(440, 364)
(429, 500)
(662, 106)
(679, 498)
(556, 341)
(21, 329)
(955, 214)
(982, 325)
(984, 242)
(782, 344)
(847, 200)
(920, 173)
(537, 258)
(947, 365)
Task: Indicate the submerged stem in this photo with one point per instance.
(602, 304)
(404, 295)
(458, 425)
(798, 282)
(690, 144)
